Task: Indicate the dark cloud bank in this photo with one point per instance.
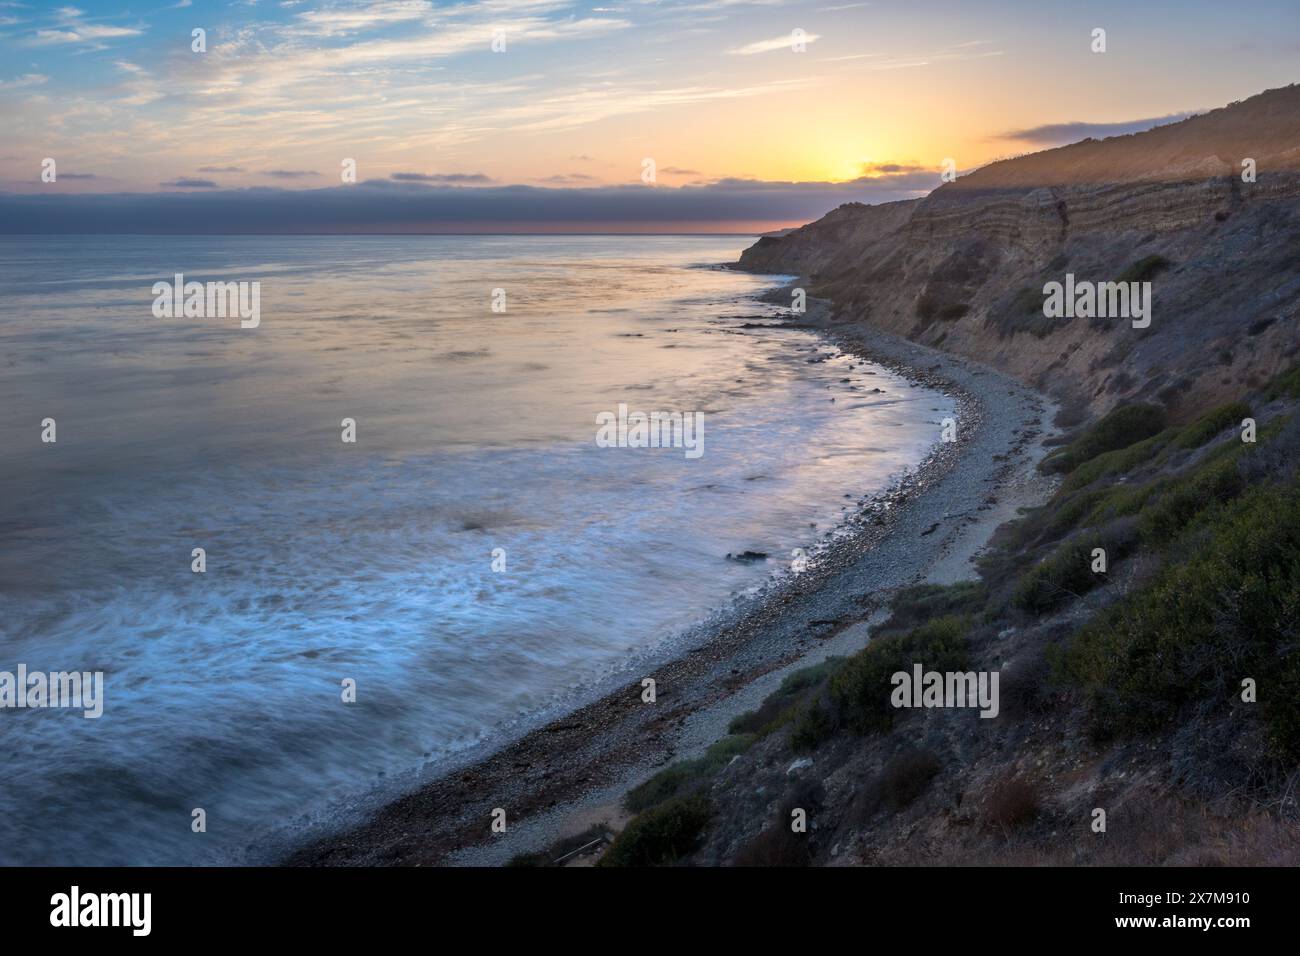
(386, 206)
(1058, 134)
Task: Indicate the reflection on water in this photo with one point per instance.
(374, 561)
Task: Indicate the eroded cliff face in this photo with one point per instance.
(964, 269)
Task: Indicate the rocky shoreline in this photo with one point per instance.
(562, 777)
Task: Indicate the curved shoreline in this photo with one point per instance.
(561, 777)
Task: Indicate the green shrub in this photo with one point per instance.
(912, 606)
(782, 706)
(812, 725)
(807, 677)
(1227, 612)
(686, 775)
(1183, 499)
(660, 836)
(565, 849)
(1066, 573)
(1144, 269)
(1066, 512)
(1119, 461)
(1028, 300)
(1211, 424)
(859, 693)
(1059, 516)
(1285, 385)
(1123, 500)
(1119, 428)
(929, 307)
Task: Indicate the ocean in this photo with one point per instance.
(472, 563)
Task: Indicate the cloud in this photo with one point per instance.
(389, 91)
(784, 42)
(140, 88)
(221, 169)
(77, 176)
(889, 169)
(1056, 134)
(186, 183)
(77, 31)
(968, 50)
(24, 81)
(567, 179)
(678, 171)
(388, 206)
(446, 178)
(72, 28)
(572, 109)
(335, 21)
(291, 173)
(724, 4)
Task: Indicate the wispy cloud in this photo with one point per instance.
(582, 107)
(72, 27)
(968, 50)
(139, 88)
(82, 34)
(784, 42)
(340, 21)
(25, 81)
(706, 5)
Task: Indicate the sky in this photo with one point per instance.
(509, 115)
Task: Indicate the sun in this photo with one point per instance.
(847, 171)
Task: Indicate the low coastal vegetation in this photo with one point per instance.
(663, 834)
(682, 777)
(1166, 675)
(1117, 430)
(1144, 270)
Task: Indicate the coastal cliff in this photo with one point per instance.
(1141, 621)
(964, 268)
